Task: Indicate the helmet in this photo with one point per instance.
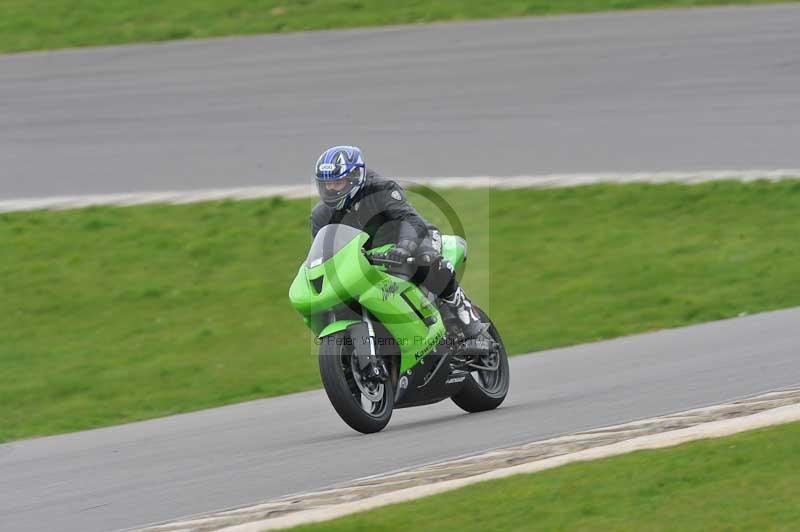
(340, 173)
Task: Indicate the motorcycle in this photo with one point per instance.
(386, 343)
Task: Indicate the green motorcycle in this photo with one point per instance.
(384, 342)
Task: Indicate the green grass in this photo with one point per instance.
(109, 315)
(47, 24)
(745, 482)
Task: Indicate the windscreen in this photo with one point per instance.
(328, 242)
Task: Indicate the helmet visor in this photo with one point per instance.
(333, 191)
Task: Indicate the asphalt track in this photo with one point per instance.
(664, 90)
(156, 470)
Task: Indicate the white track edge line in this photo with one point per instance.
(714, 429)
(308, 190)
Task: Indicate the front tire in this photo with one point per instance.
(367, 407)
(485, 390)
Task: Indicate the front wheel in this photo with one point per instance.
(363, 404)
(487, 385)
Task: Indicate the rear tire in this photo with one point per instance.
(477, 393)
(339, 380)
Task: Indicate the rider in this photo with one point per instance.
(353, 195)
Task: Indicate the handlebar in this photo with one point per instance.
(382, 259)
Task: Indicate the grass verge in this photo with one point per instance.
(743, 482)
(47, 24)
(109, 315)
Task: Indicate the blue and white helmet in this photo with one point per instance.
(340, 173)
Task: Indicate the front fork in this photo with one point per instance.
(370, 364)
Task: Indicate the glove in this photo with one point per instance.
(398, 254)
(402, 251)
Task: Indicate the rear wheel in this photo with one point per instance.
(487, 385)
(366, 405)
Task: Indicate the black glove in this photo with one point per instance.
(402, 251)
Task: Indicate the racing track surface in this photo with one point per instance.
(663, 90)
(161, 469)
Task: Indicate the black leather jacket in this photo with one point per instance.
(381, 209)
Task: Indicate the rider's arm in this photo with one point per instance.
(320, 217)
(314, 227)
(411, 227)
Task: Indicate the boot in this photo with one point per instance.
(461, 307)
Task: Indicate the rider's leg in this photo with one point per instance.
(454, 297)
(437, 275)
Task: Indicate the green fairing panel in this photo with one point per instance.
(346, 276)
(389, 301)
(454, 249)
(336, 326)
(343, 277)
